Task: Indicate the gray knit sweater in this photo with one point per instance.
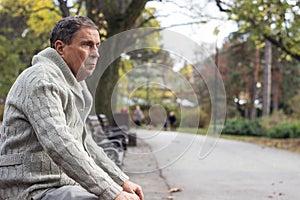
(42, 140)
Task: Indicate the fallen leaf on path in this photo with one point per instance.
(174, 190)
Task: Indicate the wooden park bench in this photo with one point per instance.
(118, 128)
(112, 146)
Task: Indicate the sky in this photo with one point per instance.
(200, 33)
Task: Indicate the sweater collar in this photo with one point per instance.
(52, 55)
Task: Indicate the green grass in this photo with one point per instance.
(292, 144)
(192, 130)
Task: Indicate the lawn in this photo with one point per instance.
(292, 145)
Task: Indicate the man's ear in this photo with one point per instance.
(59, 47)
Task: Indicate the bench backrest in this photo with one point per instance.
(104, 122)
(95, 127)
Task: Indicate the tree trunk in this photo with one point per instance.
(103, 98)
(64, 8)
(120, 16)
(254, 93)
(267, 79)
(276, 81)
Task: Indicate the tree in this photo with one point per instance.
(120, 16)
(267, 79)
(277, 22)
(240, 68)
(290, 73)
(266, 22)
(38, 16)
(23, 31)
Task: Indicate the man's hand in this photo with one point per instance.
(133, 188)
(127, 196)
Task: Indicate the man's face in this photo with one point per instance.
(82, 54)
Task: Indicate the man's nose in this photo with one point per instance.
(95, 52)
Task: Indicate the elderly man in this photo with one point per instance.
(45, 152)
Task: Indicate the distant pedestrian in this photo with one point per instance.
(124, 110)
(172, 121)
(138, 116)
(166, 125)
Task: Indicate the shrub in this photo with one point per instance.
(279, 131)
(189, 116)
(242, 126)
(296, 131)
(285, 130)
(294, 105)
(271, 121)
(279, 125)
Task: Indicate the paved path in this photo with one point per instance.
(233, 170)
(154, 185)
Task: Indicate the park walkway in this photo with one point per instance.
(232, 171)
(153, 184)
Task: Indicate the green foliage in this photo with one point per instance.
(10, 64)
(242, 126)
(190, 115)
(279, 125)
(275, 118)
(40, 16)
(290, 86)
(25, 27)
(295, 106)
(1, 112)
(285, 130)
(275, 20)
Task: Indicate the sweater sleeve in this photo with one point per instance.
(104, 162)
(44, 108)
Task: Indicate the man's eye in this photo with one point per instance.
(90, 44)
(87, 44)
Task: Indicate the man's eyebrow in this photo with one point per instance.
(88, 41)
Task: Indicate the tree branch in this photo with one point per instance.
(79, 6)
(219, 4)
(276, 42)
(44, 8)
(184, 24)
(146, 20)
(279, 44)
(64, 8)
(134, 10)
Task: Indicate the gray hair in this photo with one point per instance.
(66, 28)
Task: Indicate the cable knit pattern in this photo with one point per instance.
(43, 139)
